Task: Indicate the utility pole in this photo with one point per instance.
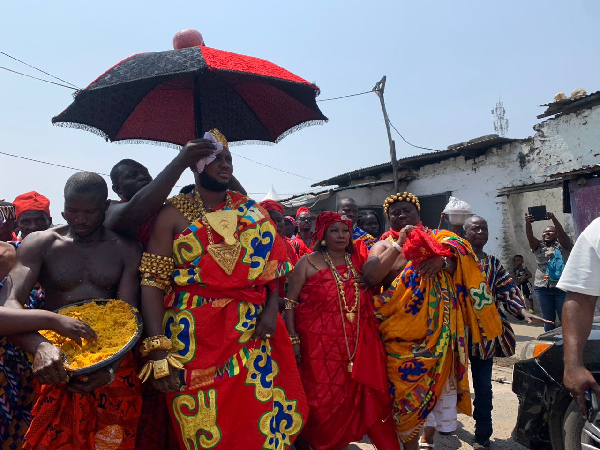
(379, 90)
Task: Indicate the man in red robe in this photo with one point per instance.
(221, 351)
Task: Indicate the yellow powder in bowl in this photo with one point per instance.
(114, 324)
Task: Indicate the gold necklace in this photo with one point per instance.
(224, 222)
(349, 315)
(339, 281)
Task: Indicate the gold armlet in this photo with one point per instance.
(159, 284)
(295, 340)
(290, 304)
(160, 342)
(156, 266)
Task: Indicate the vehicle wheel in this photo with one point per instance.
(580, 434)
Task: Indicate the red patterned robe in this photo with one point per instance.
(240, 392)
(343, 405)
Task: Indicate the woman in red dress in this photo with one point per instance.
(336, 341)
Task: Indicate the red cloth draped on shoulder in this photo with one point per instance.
(104, 419)
(343, 405)
(419, 244)
(300, 247)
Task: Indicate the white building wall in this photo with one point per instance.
(559, 145)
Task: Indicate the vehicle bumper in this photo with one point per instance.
(536, 392)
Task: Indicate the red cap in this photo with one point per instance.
(271, 205)
(302, 210)
(31, 201)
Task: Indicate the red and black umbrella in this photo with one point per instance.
(174, 96)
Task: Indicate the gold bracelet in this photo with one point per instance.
(295, 340)
(160, 369)
(160, 342)
(290, 304)
(163, 286)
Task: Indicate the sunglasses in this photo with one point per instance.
(305, 219)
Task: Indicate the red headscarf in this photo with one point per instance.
(325, 220)
(291, 219)
(31, 201)
(302, 210)
(272, 205)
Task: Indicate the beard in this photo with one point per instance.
(212, 184)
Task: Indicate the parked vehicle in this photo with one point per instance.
(548, 417)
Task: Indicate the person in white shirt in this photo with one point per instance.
(581, 280)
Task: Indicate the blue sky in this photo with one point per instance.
(446, 62)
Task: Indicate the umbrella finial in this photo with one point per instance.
(187, 38)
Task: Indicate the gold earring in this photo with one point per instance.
(323, 243)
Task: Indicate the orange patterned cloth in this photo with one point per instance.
(106, 419)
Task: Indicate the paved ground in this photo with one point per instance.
(505, 404)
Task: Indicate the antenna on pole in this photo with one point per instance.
(500, 121)
(379, 90)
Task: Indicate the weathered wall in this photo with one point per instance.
(559, 145)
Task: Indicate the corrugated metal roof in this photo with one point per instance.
(571, 106)
(470, 149)
(583, 170)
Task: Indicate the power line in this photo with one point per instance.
(40, 70)
(413, 145)
(36, 78)
(274, 168)
(344, 96)
(51, 164)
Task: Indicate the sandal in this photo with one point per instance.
(426, 445)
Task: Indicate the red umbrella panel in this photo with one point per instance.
(174, 96)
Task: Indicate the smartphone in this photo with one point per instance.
(591, 403)
(538, 212)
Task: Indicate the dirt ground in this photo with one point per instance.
(505, 404)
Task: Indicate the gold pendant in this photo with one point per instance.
(224, 222)
(226, 256)
(350, 316)
(350, 366)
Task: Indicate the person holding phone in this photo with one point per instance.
(551, 253)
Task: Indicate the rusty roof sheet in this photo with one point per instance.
(582, 170)
(570, 106)
(470, 149)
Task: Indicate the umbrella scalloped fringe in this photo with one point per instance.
(283, 135)
(103, 135)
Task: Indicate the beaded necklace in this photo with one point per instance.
(349, 315)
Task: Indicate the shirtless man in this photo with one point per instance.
(78, 261)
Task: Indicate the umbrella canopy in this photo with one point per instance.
(174, 96)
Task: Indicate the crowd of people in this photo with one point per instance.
(261, 330)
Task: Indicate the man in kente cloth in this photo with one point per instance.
(221, 350)
(133, 216)
(78, 261)
(432, 291)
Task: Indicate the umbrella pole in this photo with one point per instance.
(197, 106)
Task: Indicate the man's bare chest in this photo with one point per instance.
(69, 266)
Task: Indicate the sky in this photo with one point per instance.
(447, 64)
